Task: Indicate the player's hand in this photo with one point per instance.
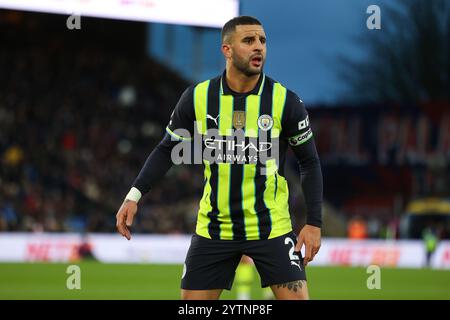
(125, 217)
(310, 237)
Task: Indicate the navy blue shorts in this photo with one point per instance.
(211, 264)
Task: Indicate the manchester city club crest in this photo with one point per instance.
(265, 122)
(238, 119)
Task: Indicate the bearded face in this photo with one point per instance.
(246, 49)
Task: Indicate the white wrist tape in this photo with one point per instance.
(134, 194)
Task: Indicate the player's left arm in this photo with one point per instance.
(298, 132)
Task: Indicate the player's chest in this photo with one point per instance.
(248, 114)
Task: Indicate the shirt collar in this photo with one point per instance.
(257, 90)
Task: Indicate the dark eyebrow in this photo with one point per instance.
(253, 37)
(248, 38)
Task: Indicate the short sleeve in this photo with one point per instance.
(182, 120)
(295, 122)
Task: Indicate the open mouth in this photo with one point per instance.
(256, 61)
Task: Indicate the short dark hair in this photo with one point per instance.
(230, 26)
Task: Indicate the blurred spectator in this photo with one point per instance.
(357, 228)
(373, 227)
(430, 239)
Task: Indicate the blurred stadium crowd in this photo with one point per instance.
(76, 126)
(77, 123)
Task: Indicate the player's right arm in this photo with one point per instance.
(158, 162)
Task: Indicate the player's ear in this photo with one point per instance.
(226, 50)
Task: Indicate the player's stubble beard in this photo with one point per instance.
(243, 65)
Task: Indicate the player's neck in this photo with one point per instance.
(239, 82)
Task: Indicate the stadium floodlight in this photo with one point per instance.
(204, 13)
